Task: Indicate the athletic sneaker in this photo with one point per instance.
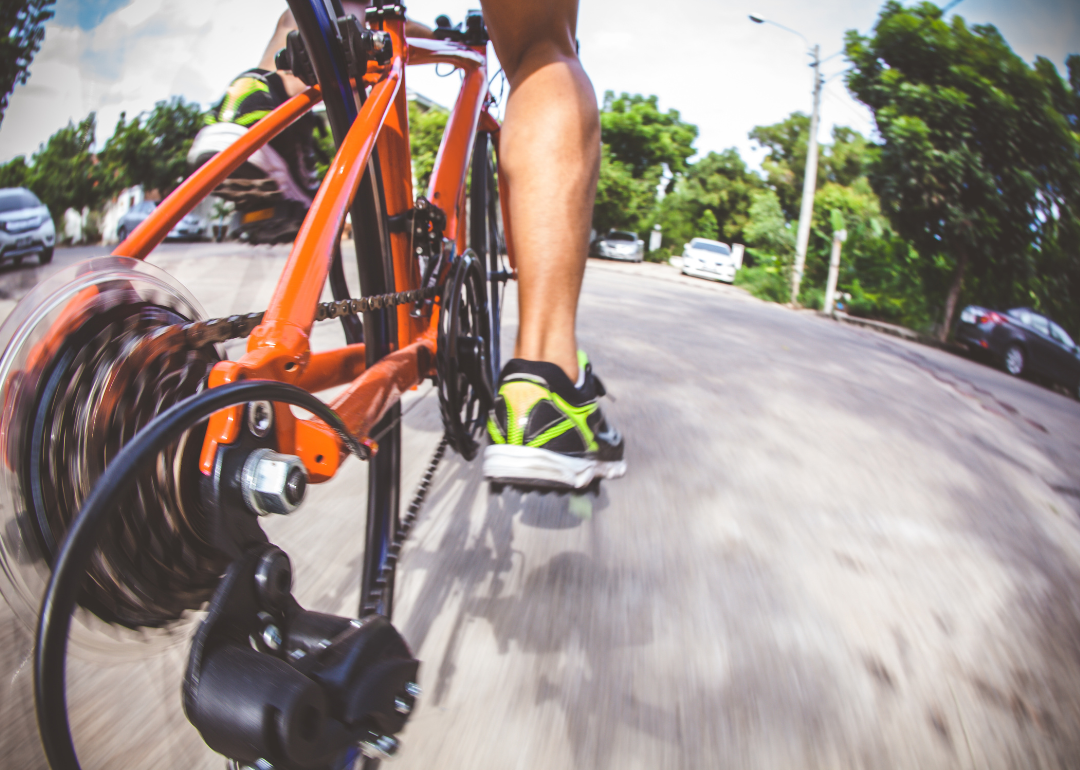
(546, 432)
(273, 189)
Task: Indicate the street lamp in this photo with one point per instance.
(806, 211)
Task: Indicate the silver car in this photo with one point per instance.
(619, 244)
(190, 228)
(26, 227)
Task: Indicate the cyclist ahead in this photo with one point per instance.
(547, 428)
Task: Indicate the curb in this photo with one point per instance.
(897, 331)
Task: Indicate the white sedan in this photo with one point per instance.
(709, 259)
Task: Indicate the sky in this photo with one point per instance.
(704, 58)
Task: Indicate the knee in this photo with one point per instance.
(528, 34)
(535, 54)
(286, 23)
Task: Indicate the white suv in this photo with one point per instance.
(25, 226)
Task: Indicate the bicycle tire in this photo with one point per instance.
(486, 237)
(371, 239)
(374, 260)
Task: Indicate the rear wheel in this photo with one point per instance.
(375, 266)
(1015, 360)
(91, 356)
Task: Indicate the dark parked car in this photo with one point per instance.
(190, 228)
(1024, 342)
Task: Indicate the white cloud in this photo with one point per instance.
(143, 53)
(701, 57)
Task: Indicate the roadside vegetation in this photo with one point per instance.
(969, 192)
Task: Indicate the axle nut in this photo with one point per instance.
(272, 482)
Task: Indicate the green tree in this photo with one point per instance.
(977, 162)
(707, 226)
(878, 267)
(426, 129)
(842, 162)
(14, 173)
(22, 23)
(151, 149)
(770, 247)
(65, 173)
(720, 183)
(785, 163)
(643, 137)
(623, 202)
(639, 142)
(767, 230)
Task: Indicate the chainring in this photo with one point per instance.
(91, 360)
(463, 359)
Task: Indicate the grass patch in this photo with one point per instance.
(766, 282)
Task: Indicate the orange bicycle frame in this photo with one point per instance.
(279, 348)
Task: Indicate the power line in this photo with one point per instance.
(846, 105)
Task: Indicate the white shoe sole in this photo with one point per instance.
(542, 467)
(218, 137)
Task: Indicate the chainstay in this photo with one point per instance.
(216, 330)
(393, 553)
(234, 327)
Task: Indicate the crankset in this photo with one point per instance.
(463, 358)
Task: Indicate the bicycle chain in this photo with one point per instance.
(216, 330)
(234, 327)
(404, 528)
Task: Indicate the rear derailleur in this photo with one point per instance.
(271, 684)
(268, 683)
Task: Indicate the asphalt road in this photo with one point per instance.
(832, 549)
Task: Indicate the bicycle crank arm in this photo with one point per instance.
(268, 680)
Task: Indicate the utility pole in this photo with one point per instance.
(806, 211)
(834, 270)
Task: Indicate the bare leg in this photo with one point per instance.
(549, 152)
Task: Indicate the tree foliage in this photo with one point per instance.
(23, 25)
(151, 149)
(787, 142)
(718, 183)
(639, 143)
(979, 163)
(64, 173)
(767, 230)
(644, 138)
(426, 129)
(623, 202)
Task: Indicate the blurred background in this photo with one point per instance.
(850, 531)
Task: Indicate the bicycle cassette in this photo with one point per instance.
(90, 357)
(463, 359)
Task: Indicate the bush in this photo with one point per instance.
(766, 282)
(874, 305)
(812, 297)
(663, 254)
